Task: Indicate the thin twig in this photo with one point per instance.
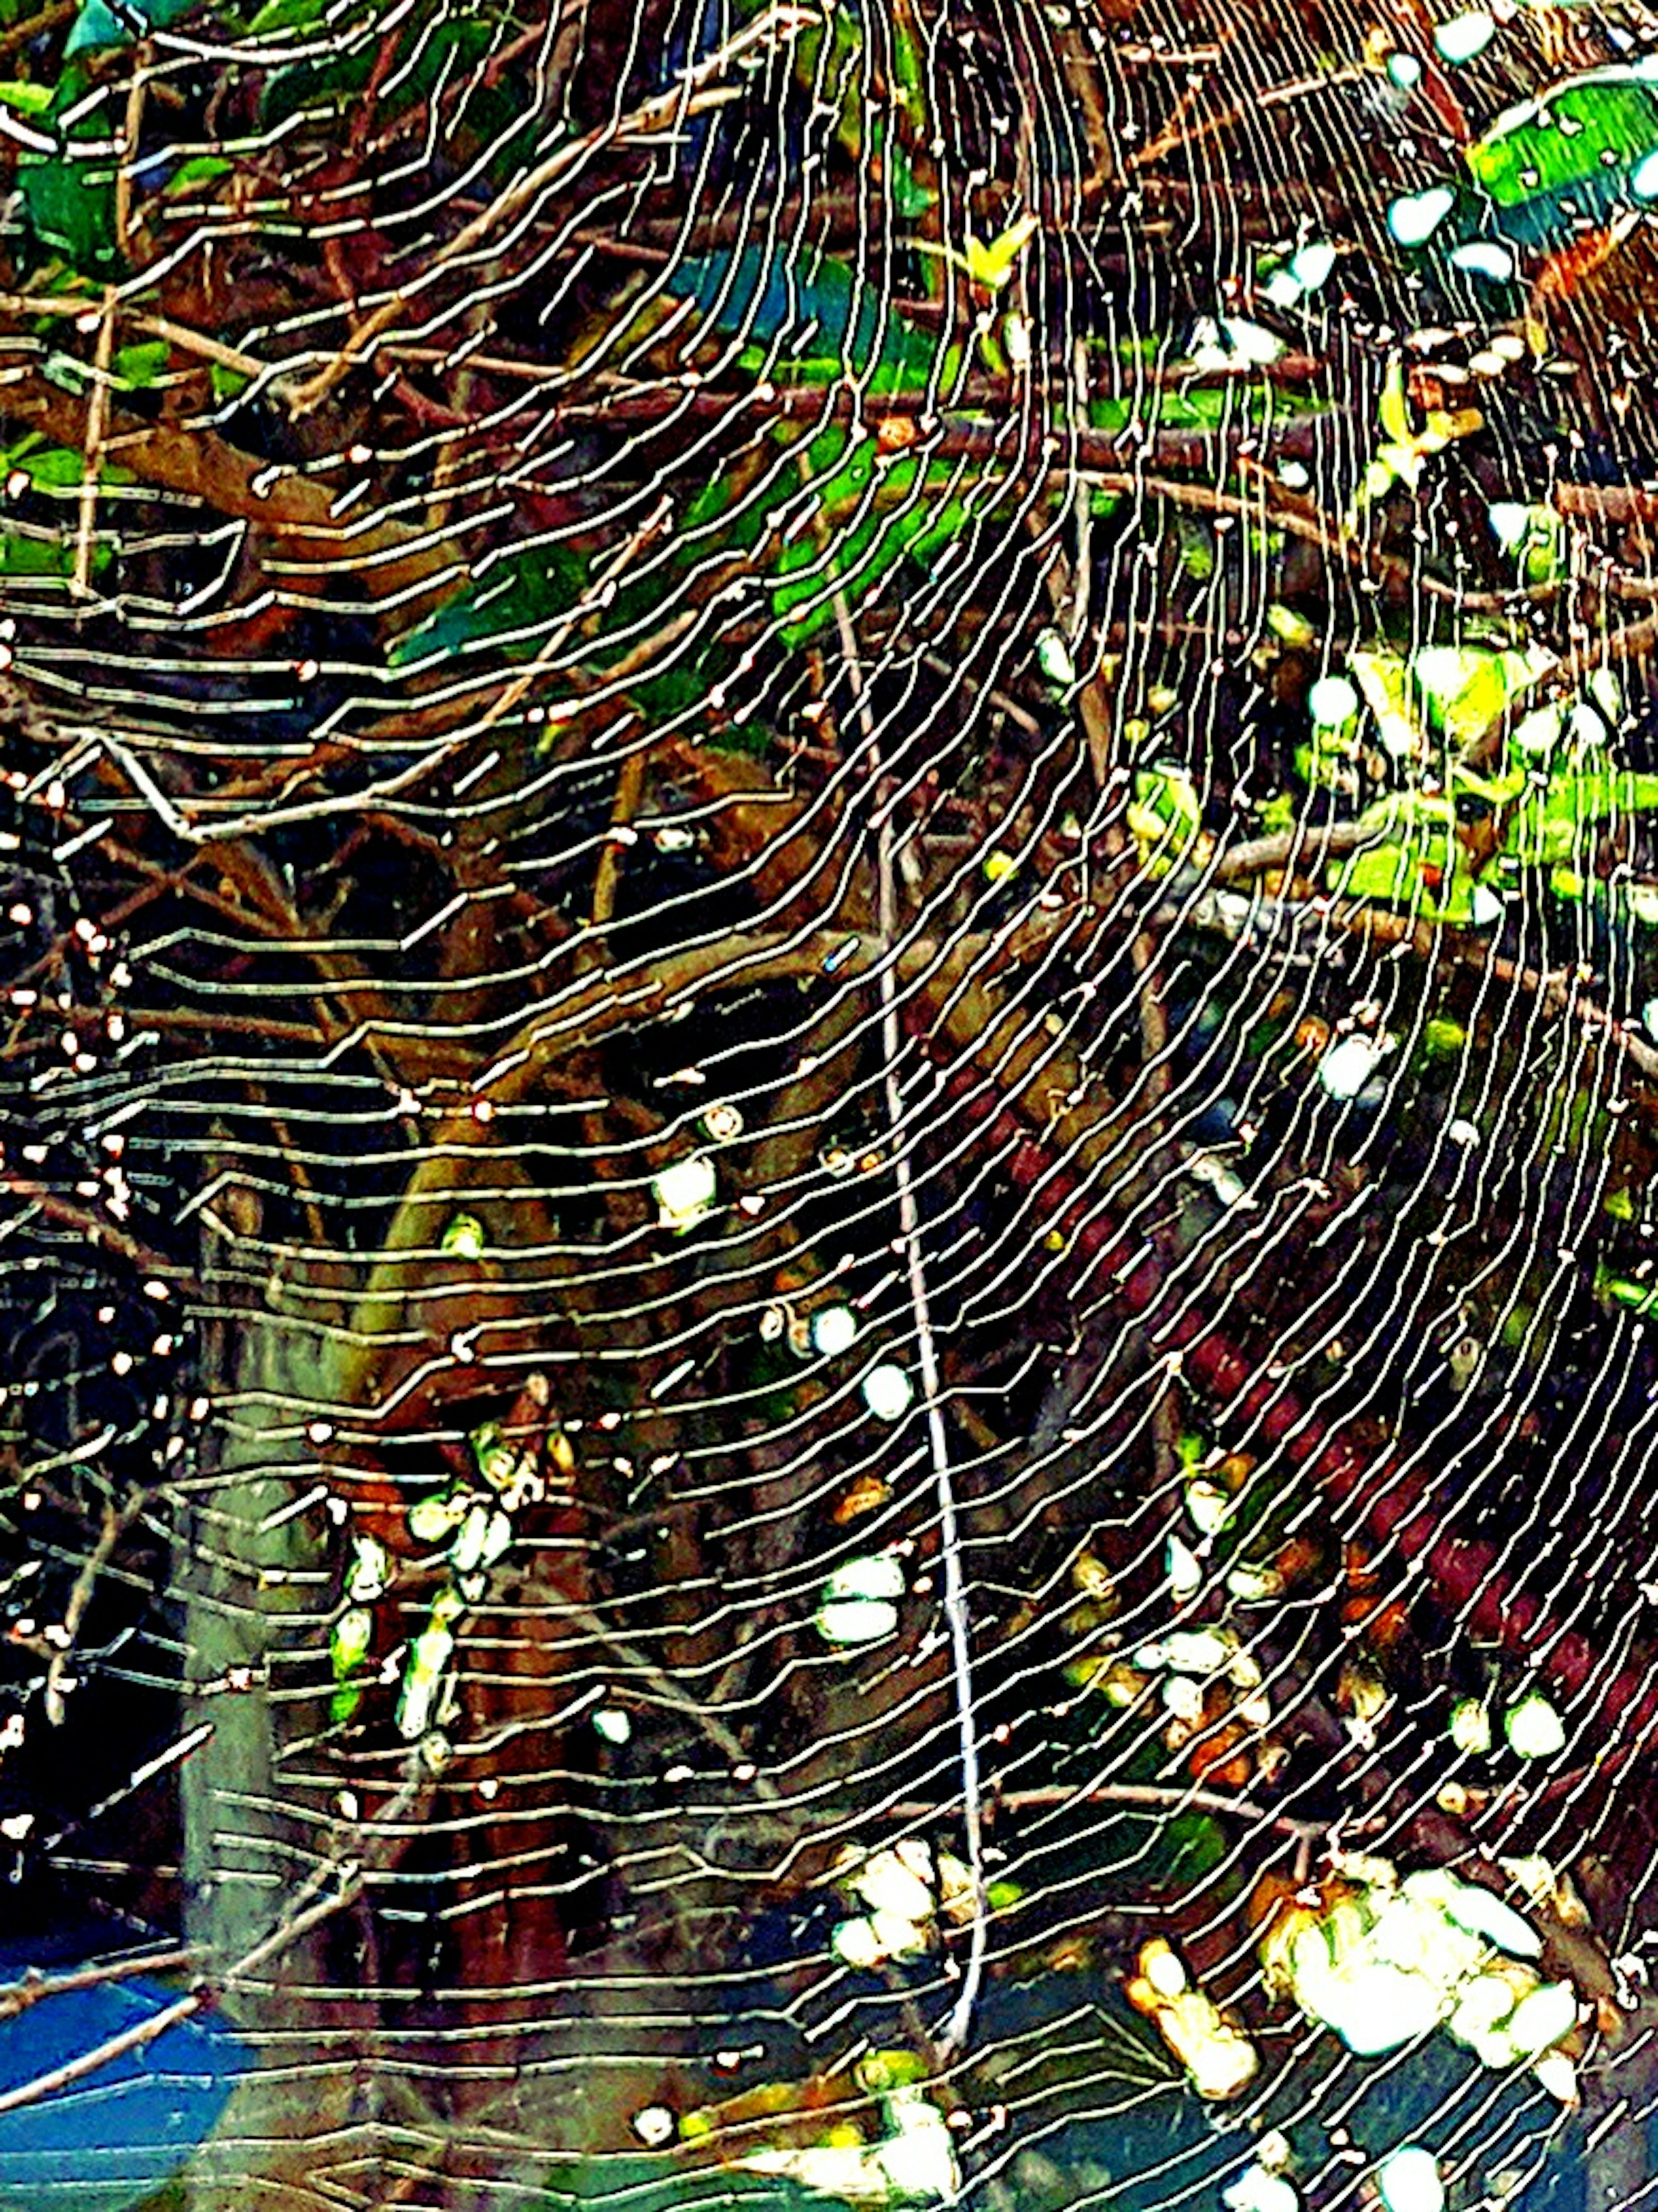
(955, 1613)
(629, 790)
(1176, 132)
(116, 1522)
(35, 1987)
(131, 130)
(92, 452)
(158, 326)
(64, 1210)
(668, 1690)
(1154, 1019)
(146, 2031)
(44, 19)
(297, 1923)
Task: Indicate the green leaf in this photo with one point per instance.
(1422, 865)
(767, 299)
(98, 26)
(45, 556)
(1547, 827)
(56, 468)
(1394, 415)
(1169, 795)
(1391, 871)
(1594, 124)
(69, 203)
(1193, 1845)
(286, 15)
(200, 169)
(1384, 872)
(820, 75)
(867, 538)
(509, 610)
(34, 556)
(909, 196)
(745, 519)
(139, 365)
(909, 73)
(27, 99)
(341, 67)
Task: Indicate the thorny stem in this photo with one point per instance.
(956, 1618)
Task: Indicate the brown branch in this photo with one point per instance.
(1623, 503)
(1154, 1019)
(146, 2031)
(352, 1875)
(65, 1210)
(1093, 699)
(159, 327)
(391, 559)
(44, 19)
(131, 131)
(1298, 847)
(1176, 133)
(629, 790)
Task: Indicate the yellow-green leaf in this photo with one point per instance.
(1395, 417)
(992, 265)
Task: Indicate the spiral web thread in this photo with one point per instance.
(701, 1124)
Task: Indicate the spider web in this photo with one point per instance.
(827, 1136)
